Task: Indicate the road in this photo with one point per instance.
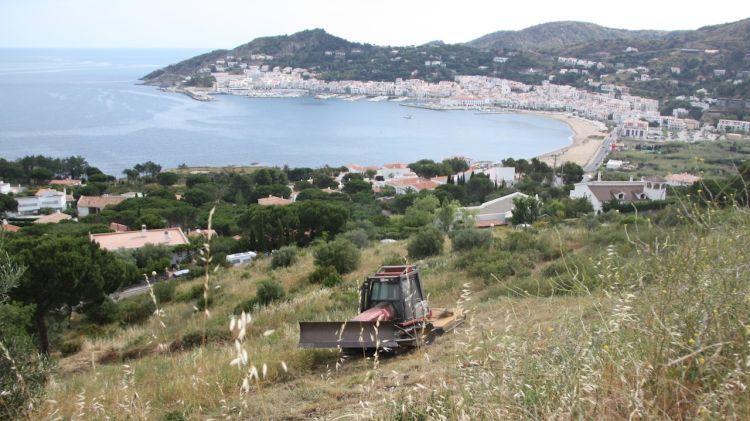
(602, 152)
(130, 292)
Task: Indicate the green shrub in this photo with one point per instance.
(340, 253)
(480, 263)
(195, 292)
(135, 311)
(393, 259)
(164, 291)
(325, 275)
(173, 416)
(425, 243)
(71, 346)
(247, 306)
(284, 257)
(269, 290)
(358, 237)
(194, 338)
(467, 239)
(202, 303)
(104, 313)
(26, 363)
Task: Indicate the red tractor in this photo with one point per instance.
(393, 314)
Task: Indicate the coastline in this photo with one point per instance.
(582, 148)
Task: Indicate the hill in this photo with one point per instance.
(675, 63)
(556, 36)
(597, 318)
(335, 58)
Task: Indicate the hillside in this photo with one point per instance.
(530, 55)
(557, 36)
(598, 317)
(335, 58)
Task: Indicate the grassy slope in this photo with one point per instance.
(705, 159)
(663, 336)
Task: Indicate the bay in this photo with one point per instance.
(88, 102)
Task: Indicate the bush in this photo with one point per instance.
(325, 275)
(427, 242)
(340, 253)
(164, 291)
(71, 347)
(498, 264)
(195, 292)
(269, 290)
(104, 313)
(358, 237)
(468, 239)
(284, 257)
(32, 369)
(135, 311)
(247, 306)
(393, 259)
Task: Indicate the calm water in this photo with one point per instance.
(86, 102)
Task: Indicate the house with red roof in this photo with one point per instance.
(394, 171)
(411, 184)
(68, 182)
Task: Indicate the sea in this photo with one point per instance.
(88, 102)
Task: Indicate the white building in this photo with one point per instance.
(634, 128)
(601, 192)
(734, 125)
(7, 188)
(43, 199)
(614, 164)
(494, 212)
(497, 175)
(394, 171)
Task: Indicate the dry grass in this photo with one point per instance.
(664, 337)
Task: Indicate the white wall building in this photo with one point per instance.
(601, 192)
(43, 199)
(394, 171)
(734, 125)
(7, 188)
(494, 212)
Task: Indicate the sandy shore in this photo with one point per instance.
(584, 146)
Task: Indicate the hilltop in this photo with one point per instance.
(557, 36)
(674, 62)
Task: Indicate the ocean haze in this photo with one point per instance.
(88, 102)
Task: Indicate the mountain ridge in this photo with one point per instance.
(529, 56)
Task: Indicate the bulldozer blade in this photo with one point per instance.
(352, 334)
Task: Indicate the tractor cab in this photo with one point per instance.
(397, 290)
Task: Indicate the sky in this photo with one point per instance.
(228, 23)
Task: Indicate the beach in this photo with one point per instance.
(587, 138)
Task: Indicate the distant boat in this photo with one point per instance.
(408, 117)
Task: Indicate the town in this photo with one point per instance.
(608, 103)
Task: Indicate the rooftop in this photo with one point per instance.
(47, 192)
(682, 178)
(53, 218)
(138, 239)
(66, 182)
(99, 202)
(273, 200)
(9, 227)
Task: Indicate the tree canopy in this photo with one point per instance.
(63, 272)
